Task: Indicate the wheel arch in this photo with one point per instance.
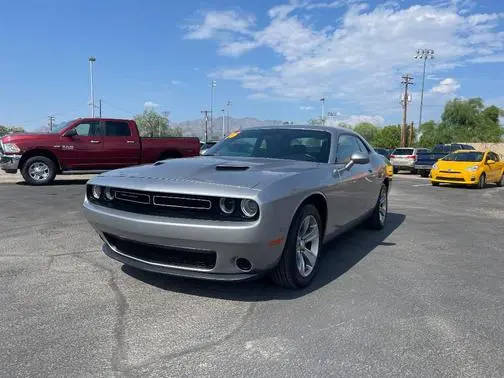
(318, 200)
(39, 152)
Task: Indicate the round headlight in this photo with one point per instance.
(227, 205)
(249, 208)
(108, 194)
(97, 191)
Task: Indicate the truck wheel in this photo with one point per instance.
(424, 173)
(299, 262)
(38, 170)
(482, 181)
(414, 171)
(395, 170)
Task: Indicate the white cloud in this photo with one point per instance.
(355, 119)
(215, 22)
(447, 86)
(150, 104)
(306, 107)
(358, 58)
(176, 82)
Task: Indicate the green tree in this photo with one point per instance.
(428, 134)
(367, 130)
(388, 137)
(315, 122)
(4, 130)
(151, 124)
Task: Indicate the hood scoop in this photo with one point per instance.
(158, 163)
(228, 167)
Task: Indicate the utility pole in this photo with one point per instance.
(100, 107)
(92, 59)
(412, 128)
(51, 120)
(223, 123)
(205, 112)
(406, 98)
(322, 117)
(213, 85)
(423, 54)
(228, 107)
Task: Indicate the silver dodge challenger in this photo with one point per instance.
(263, 200)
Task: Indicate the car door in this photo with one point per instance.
(85, 149)
(349, 197)
(120, 145)
(493, 168)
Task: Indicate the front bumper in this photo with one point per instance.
(465, 178)
(229, 240)
(9, 163)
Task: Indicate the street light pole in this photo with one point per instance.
(423, 54)
(92, 59)
(213, 85)
(205, 112)
(223, 124)
(228, 110)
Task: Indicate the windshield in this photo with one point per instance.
(57, 128)
(291, 144)
(403, 151)
(464, 156)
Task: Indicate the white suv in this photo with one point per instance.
(405, 158)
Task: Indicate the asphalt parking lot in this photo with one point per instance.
(423, 297)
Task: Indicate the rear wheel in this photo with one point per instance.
(379, 216)
(299, 262)
(501, 181)
(482, 181)
(39, 170)
(424, 173)
(396, 170)
(414, 171)
(434, 183)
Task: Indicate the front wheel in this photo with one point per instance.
(424, 173)
(482, 181)
(379, 215)
(434, 183)
(299, 262)
(39, 170)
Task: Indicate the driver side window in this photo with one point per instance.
(86, 129)
(347, 145)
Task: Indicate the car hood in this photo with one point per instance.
(25, 137)
(252, 173)
(456, 165)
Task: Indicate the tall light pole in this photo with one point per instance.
(92, 59)
(423, 54)
(223, 124)
(213, 85)
(405, 99)
(205, 112)
(228, 107)
(322, 117)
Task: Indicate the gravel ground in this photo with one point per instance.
(423, 297)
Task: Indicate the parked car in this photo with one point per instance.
(405, 158)
(425, 159)
(206, 146)
(263, 200)
(384, 152)
(469, 167)
(87, 145)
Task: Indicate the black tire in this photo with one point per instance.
(434, 183)
(482, 181)
(500, 183)
(414, 171)
(395, 170)
(375, 220)
(286, 273)
(46, 176)
(424, 173)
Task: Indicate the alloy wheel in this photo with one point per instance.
(383, 205)
(38, 171)
(307, 245)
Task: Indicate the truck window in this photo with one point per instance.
(114, 128)
(86, 128)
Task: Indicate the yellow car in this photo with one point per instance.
(389, 169)
(469, 167)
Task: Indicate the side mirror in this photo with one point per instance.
(356, 158)
(71, 133)
(490, 161)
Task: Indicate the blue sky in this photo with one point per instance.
(272, 59)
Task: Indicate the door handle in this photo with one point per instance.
(94, 141)
(130, 141)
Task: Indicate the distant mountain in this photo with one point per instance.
(197, 127)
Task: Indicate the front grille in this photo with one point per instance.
(182, 257)
(171, 205)
(457, 179)
(450, 171)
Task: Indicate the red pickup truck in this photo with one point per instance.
(87, 145)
